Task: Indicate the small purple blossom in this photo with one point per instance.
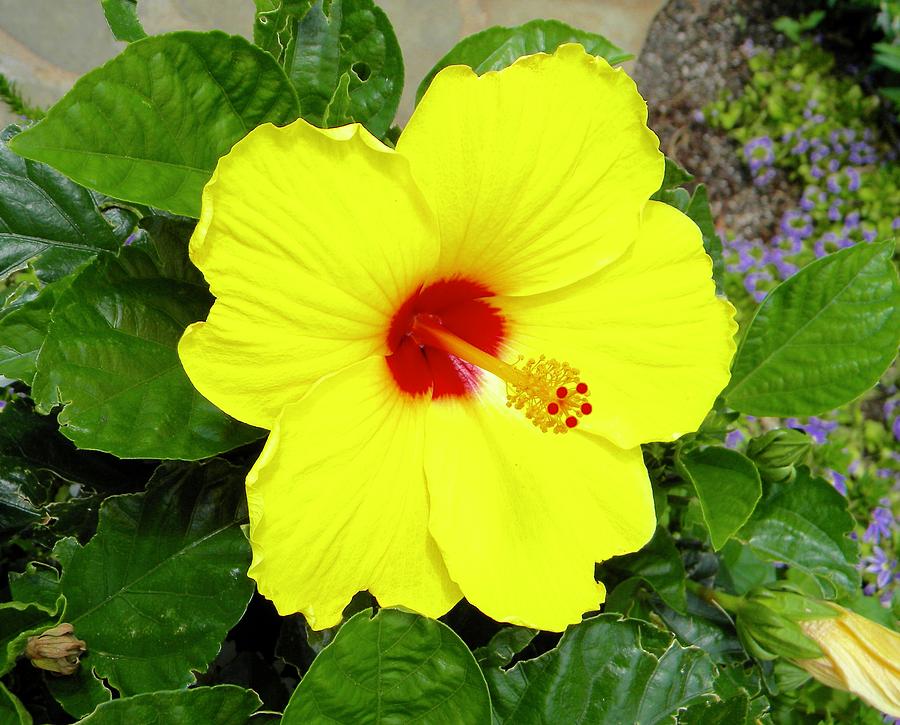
(834, 165)
(851, 221)
(698, 116)
(881, 566)
(839, 481)
(764, 178)
(818, 429)
(800, 147)
(833, 184)
(819, 154)
(750, 281)
(734, 439)
(895, 428)
(895, 223)
(834, 213)
(881, 525)
(816, 172)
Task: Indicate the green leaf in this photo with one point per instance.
(822, 337)
(222, 705)
(351, 38)
(12, 711)
(605, 670)
(150, 125)
(659, 564)
(19, 621)
(674, 176)
(38, 584)
(47, 222)
(741, 570)
(703, 626)
(23, 328)
(393, 667)
(164, 579)
(733, 711)
(805, 524)
(728, 486)
(80, 693)
(499, 47)
(122, 18)
(503, 646)
(273, 24)
(110, 358)
(22, 495)
(34, 440)
(699, 210)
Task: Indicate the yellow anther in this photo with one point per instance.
(550, 394)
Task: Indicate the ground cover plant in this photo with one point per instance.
(211, 468)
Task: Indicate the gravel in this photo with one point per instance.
(693, 53)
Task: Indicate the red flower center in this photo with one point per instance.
(460, 306)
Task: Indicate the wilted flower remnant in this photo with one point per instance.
(480, 326)
(56, 650)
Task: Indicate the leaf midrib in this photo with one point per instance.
(152, 570)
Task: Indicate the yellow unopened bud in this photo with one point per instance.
(859, 656)
(56, 650)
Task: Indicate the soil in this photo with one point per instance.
(693, 53)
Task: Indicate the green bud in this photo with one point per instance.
(778, 452)
(768, 624)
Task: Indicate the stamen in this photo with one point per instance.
(547, 391)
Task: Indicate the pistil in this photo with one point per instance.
(547, 391)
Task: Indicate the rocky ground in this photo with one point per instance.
(692, 53)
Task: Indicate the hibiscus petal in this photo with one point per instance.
(538, 172)
(649, 335)
(521, 516)
(338, 502)
(310, 240)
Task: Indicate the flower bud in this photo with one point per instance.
(769, 623)
(858, 655)
(56, 650)
(777, 452)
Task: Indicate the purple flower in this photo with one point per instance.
(895, 429)
(2, 404)
(796, 224)
(734, 439)
(800, 147)
(764, 178)
(880, 566)
(786, 269)
(819, 248)
(834, 213)
(888, 408)
(851, 221)
(818, 429)
(834, 165)
(751, 280)
(895, 223)
(869, 235)
(839, 482)
(834, 186)
(880, 526)
(748, 48)
(807, 204)
(820, 153)
(698, 116)
(816, 172)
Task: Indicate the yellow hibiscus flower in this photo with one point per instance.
(385, 313)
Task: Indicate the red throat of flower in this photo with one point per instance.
(446, 335)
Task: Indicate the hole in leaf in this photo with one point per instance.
(362, 70)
